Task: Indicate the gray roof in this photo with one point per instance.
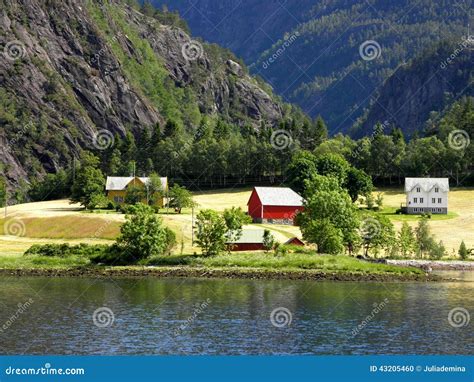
(250, 236)
(426, 184)
(278, 196)
(118, 183)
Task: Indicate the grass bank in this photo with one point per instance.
(235, 265)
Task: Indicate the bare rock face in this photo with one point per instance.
(65, 84)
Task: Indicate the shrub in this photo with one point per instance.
(210, 232)
(143, 234)
(437, 250)
(66, 250)
(281, 250)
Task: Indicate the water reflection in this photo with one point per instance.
(190, 316)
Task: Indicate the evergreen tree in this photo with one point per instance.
(463, 252)
(268, 240)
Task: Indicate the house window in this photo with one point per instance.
(415, 209)
(439, 209)
(436, 189)
(439, 200)
(418, 189)
(415, 200)
(433, 200)
(421, 200)
(118, 199)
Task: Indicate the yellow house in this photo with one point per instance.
(116, 188)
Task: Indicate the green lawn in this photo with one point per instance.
(390, 212)
(290, 261)
(41, 262)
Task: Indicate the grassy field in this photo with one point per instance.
(59, 221)
(458, 225)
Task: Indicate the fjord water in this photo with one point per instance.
(196, 316)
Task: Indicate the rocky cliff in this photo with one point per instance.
(73, 70)
(429, 84)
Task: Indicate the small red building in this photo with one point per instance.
(295, 241)
(250, 240)
(274, 205)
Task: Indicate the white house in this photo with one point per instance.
(427, 195)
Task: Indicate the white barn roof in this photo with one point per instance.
(118, 183)
(278, 196)
(426, 184)
(249, 236)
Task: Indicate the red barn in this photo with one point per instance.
(274, 205)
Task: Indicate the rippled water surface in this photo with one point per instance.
(190, 316)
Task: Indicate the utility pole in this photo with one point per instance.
(192, 226)
(73, 169)
(6, 201)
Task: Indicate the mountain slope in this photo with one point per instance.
(309, 51)
(73, 70)
(430, 83)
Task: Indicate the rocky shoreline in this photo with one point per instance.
(433, 264)
(248, 273)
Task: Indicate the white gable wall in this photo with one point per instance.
(436, 199)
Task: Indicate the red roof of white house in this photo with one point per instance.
(278, 196)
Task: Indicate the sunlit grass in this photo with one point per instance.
(68, 227)
(235, 261)
(390, 212)
(41, 262)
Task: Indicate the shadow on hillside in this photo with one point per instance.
(65, 209)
